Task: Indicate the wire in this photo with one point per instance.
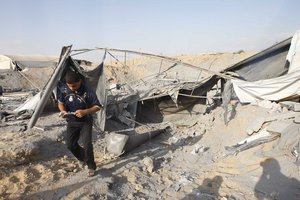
(29, 80)
(200, 97)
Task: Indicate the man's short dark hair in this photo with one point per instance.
(72, 76)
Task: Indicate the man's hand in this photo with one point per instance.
(63, 114)
(81, 113)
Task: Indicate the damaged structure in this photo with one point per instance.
(269, 75)
(174, 94)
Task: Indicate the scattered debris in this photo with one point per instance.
(149, 163)
(262, 137)
(198, 149)
(115, 143)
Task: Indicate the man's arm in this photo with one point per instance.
(82, 113)
(62, 109)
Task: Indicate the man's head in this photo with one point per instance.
(73, 80)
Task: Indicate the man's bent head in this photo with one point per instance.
(73, 80)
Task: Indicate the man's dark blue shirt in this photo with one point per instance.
(83, 98)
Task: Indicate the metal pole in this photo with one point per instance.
(160, 66)
(139, 139)
(50, 86)
(171, 60)
(125, 59)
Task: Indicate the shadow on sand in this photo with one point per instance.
(275, 185)
(209, 190)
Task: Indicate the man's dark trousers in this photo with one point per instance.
(83, 129)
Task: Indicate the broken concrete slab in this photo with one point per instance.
(289, 138)
(252, 141)
(257, 123)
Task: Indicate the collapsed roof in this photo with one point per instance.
(176, 78)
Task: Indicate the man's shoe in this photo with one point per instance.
(91, 172)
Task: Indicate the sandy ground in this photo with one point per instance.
(182, 163)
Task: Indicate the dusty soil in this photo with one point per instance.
(182, 163)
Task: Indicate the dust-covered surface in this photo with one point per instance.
(181, 163)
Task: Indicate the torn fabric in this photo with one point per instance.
(270, 89)
(282, 87)
(293, 55)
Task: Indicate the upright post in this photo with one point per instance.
(125, 59)
(49, 88)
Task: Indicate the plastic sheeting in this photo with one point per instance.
(34, 61)
(271, 89)
(95, 79)
(267, 64)
(30, 104)
(6, 63)
(293, 55)
(286, 86)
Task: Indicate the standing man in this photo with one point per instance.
(77, 103)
